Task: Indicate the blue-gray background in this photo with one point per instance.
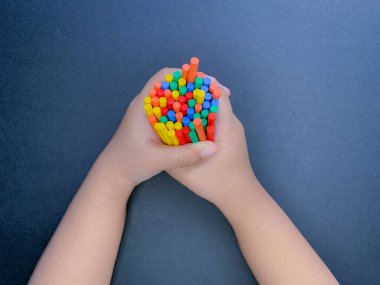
(309, 71)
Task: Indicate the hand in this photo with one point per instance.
(135, 152)
(218, 179)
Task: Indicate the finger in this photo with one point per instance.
(224, 117)
(184, 155)
(225, 108)
(226, 90)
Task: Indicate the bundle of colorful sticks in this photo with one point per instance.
(183, 107)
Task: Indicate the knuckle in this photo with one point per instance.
(227, 90)
(156, 159)
(239, 126)
(184, 158)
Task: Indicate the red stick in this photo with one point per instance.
(211, 119)
(169, 103)
(181, 137)
(189, 95)
(184, 108)
(210, 133)
(164, 111)
(186, 131)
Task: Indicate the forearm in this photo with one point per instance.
(84, 247)
(275, 250)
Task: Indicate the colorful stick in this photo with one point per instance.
(183, 107)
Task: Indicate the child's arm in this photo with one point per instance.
(275, 250)
(273, 247)
(84, 247)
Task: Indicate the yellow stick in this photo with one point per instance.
(173, 137)
(148, 110)
(178, 126)
(170, 125)
(157, 112)
(162, 132)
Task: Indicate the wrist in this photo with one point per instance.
(243, 193)
(107, 181)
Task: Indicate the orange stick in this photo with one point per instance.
(198, 108)
(152, 120)
(216, 94)
(179, 116)
(212, 87)
(167, 93)
(176, 106)
(157, 85)
(200, 74)
(194, 62)
(155, 101)
(185, 71)
(199, 129)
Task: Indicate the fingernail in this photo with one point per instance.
(208, 151)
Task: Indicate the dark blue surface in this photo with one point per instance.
(310, 70)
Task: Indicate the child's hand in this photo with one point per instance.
(135, 153)
(218, 179)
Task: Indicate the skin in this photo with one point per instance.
(84, 247)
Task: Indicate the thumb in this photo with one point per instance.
(172, 157)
